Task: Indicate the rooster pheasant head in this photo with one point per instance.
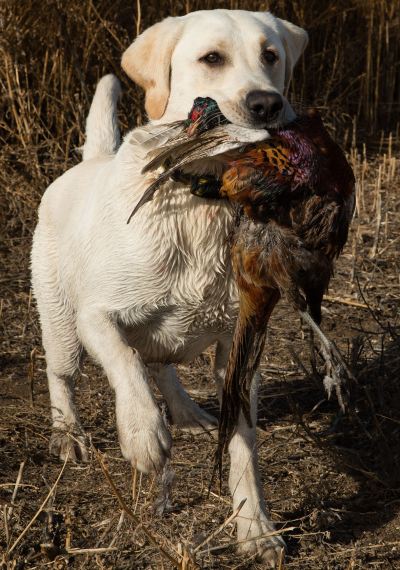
(204, 116)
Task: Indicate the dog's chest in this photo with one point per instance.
(188, 290)
(177, 332)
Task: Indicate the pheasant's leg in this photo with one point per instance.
(185, 413)
(255, 530)
(336, 369)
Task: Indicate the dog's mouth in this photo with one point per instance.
(239, 114)
(206, 115)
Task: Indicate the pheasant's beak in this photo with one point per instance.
(198, 126)
(193, 128)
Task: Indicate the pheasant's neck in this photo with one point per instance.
(303, 158)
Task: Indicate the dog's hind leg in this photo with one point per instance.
(185, 413)
(62, 348)
(68, 437)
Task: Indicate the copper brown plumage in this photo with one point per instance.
(294, 198)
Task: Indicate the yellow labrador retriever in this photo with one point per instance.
(144, 296)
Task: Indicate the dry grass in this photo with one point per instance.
(332, 481)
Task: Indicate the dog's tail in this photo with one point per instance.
(102, 132)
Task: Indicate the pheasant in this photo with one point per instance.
(293, 195)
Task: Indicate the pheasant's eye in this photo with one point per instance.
(212, 58)
(269, 56)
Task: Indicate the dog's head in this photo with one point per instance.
(243, 60)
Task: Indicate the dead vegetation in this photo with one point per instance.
(332, 480)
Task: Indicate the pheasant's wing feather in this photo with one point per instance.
(181, 151)
(149, 193)
(178, 150)
(210, 143)
(187, 158)
(150, 136)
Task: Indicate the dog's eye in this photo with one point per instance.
(269, 56)
(213, 58)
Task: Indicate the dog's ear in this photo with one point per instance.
(295, 41)
(148, 62)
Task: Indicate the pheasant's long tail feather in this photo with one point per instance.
(235, 396)
(247, 346)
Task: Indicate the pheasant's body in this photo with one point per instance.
(294, 197)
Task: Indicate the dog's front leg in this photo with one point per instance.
(143, 435)
(255, 530)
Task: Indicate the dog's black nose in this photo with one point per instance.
(263, 105)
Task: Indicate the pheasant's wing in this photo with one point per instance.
(185, 150)
(181, 151)
(323, 222)
(186, 157)
(149, 137)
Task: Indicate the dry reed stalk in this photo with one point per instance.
(119, 526)
(138, 17)
(31, 376)
(15, 491)
(103, 550)
(378, 209)
(6, 528)
(246, 540)
(134, 472)
(68, 526)
(344, 301)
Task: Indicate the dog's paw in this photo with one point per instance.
(147, 444)
(258, 538)
(64, 443)
(194, 420)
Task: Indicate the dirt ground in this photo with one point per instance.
(331, 480)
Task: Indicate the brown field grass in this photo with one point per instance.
(332, 480)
